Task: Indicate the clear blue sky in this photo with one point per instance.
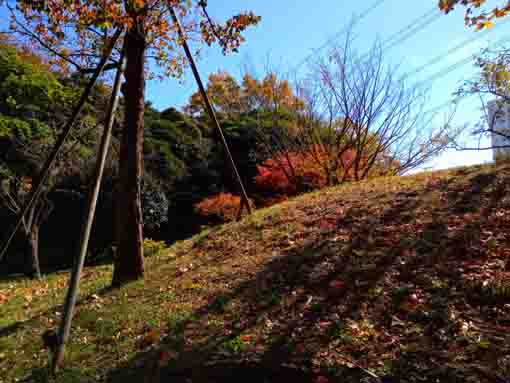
(292, 29)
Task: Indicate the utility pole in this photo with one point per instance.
(210, 110)
(74, 283)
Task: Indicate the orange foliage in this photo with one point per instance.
(68, 24)
(476, 16)
(290, 173)
(223, 207)
(232, 98)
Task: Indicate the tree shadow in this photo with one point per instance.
(298, 289)
(16, 326)
(378, 286)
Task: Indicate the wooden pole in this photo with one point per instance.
(48, 164)
(240, 211)
(74, 283)
(210, 108)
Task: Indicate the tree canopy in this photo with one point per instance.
(77, 32)
(232, 98)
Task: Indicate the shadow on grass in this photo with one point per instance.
(295, 294)
(385, 299)
(16, 326)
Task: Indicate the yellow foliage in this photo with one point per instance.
(476, 16)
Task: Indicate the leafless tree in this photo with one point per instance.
(358, 119)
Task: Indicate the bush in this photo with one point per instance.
(154, 203)
(152, 248)
(222, 207)
(289, 174)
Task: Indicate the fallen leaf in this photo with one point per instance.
(337, 284)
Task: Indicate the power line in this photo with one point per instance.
(404, 34)
(343, 31)
(456, 65)
(452, 50)
(397, 38)
(442, 106)
(412, 28)
(448, 70)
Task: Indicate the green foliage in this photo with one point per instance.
(28, 96)
(154, 203)
(237, 345)
(152, 247)
(34, 103)
(173, 143)
(23, 129)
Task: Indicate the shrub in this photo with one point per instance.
(290, 173)
(152, 248)
(155, 204)
(221, 207)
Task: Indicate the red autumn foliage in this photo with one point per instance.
(221, 207)
(290, 173)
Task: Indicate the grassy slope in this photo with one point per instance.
(404, 277)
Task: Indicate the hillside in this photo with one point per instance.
(406, 278)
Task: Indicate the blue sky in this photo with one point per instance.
(291, 30)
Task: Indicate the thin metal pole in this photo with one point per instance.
(209, 107)
(41, 179)
(74, 283)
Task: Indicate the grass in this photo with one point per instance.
(402, 277)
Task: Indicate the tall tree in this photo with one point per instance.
(32, 102)
(359, 119)
(233, 99)
(223, 91)
(491, 85)
(74, 33)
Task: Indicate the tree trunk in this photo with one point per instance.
(33, 266)
(129, 261)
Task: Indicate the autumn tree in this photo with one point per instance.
(223, 91)
(358, 120)
(233, 99)
(478, 14)
(358, 104)
(75, 34)
(491, 86)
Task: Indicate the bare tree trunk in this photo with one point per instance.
(129, 261)
(34, 245)
(33, 269)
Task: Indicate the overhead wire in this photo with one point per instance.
(452, 50)
(405, 33)
(415, 26)
(458, 64)
(362, 15)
